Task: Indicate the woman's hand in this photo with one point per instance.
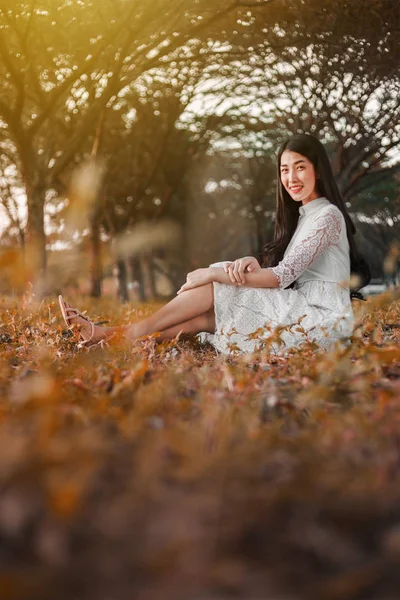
(237, 269)
(196, 279)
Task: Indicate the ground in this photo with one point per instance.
(167, 472)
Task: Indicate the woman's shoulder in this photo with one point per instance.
(332, 220)
(331, 211)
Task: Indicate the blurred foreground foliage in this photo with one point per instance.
(165, 471)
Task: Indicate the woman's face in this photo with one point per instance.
(298, 177)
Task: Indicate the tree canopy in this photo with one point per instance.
(142, 87)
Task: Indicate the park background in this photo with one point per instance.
(138, 138)
(137, 141)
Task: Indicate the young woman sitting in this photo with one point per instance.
(305, 275)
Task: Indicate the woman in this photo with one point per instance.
(304, 277)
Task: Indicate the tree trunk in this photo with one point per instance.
(148, 277)
(96, 272)
(137, 278)
(35, 242)
(123, 294)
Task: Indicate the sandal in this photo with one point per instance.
(68, 313)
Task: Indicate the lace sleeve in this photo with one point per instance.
(324, 232)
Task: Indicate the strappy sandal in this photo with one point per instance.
(69, 313)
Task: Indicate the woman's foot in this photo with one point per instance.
(89, 333)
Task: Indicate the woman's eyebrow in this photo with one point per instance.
(295, 163)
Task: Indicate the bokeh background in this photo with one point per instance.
(137, 138)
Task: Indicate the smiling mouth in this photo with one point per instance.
(296, 189)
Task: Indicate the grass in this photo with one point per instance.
(165, 471)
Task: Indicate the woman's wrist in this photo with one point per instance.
(215, 274)
(219, 275)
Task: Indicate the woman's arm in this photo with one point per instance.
(237, 269)
(324, 232)
(261, 278)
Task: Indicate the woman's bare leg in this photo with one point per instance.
(183, 309)
(205, 322)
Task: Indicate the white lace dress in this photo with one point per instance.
(318, 308)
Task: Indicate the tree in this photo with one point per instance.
(58, 94)
(144, 181)
(53, 92)
(339, 80)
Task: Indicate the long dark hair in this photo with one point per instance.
(287, 209)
